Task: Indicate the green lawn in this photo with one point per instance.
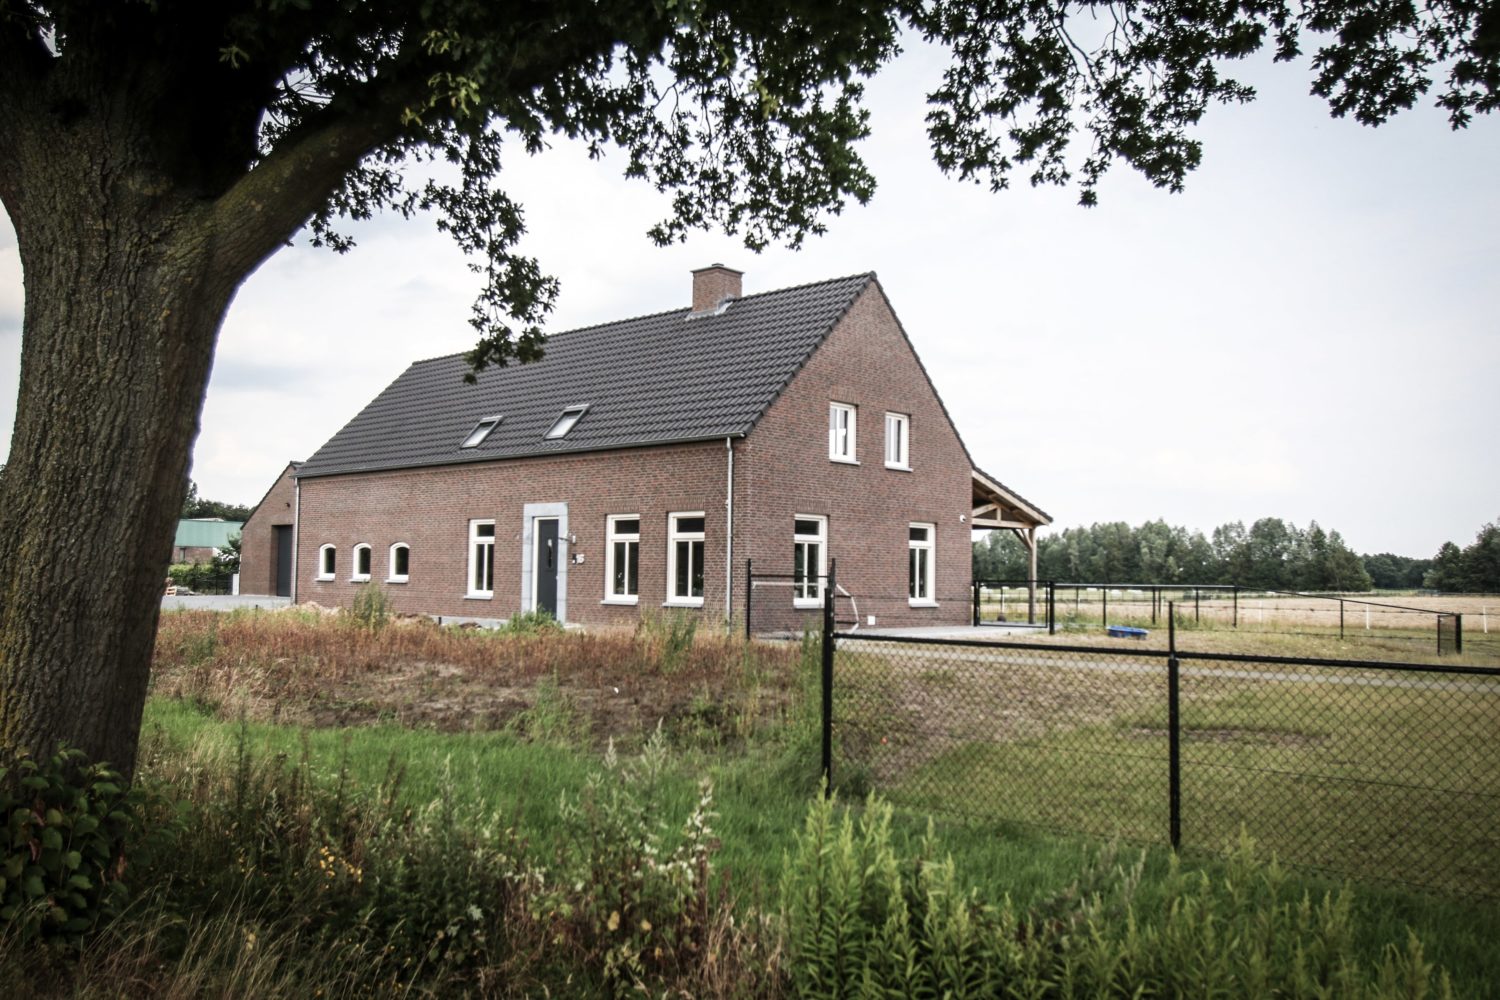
(761, 803)
(1376, 776)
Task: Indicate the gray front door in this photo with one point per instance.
(547, 553)
(283, 554)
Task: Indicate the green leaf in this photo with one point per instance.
(77, 925)
(80, 882)
(33, 888)
(85, 825)
(72, 860)
(51, 839)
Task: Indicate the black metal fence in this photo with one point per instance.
(1377, 770)
(200, 578)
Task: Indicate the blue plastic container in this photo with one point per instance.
(1126, 632)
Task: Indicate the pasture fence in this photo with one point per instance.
(1376, 770)
(1060, 606)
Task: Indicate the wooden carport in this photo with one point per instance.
(998, 506)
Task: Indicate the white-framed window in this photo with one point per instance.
(566, 421)
(400, 568)
(897, 441)
(481, 558)
(361, 571)
(685, 558)
(481, 431)
(920, 547)
(809, 559)
(842, 418)
(328, 561)
(622, 559)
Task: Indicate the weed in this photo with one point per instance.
(531, 623)
(371, 608)
(551, 717)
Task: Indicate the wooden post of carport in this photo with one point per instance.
(996, 506)
(1028, 539)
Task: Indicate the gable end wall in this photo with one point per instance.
(785, 470)
(258, 540)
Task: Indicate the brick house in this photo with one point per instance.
(641, 463)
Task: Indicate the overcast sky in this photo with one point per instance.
(1311, 331)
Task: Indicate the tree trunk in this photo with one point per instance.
(123, 306)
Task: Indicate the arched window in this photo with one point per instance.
(328, 557)
(400, 563)
(361, 563)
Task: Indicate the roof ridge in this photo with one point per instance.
(666, 312)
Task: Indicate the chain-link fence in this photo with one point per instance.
(1387, 771)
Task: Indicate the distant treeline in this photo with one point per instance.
(1271, 554)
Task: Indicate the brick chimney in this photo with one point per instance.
(714, 284)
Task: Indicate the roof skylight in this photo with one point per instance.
(566, 422)
(481, 431)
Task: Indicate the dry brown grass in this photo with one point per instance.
(318, 669)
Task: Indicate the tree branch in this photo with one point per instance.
(275, 198)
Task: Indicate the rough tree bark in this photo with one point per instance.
(135, 229)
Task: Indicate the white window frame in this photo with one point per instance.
(898, 441)
(566, 421)
(928, 572)
(843, 441)
(675, 535)
(481, 431)
(392, 576)
(612, 537)
(327, 571)
(808, 593)
(476, 540)
(355, 576)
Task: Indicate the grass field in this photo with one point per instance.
(1378, 776)
(759, 805)
(1059, 761)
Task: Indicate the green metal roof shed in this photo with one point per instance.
(205, 533)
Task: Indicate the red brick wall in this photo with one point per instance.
(781, 469)
(430, 510)
(785, 471)
(258, 541)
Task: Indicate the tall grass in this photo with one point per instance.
(279, 873)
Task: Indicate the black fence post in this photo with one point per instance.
(1052, 608)
(828, 681)
(1341, 619)
(976, 603)
(1105, 612)
(1458, 634)
(1174, 737)
(1236, 605)
(1197, 614)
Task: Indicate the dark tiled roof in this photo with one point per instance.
(651, 380)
